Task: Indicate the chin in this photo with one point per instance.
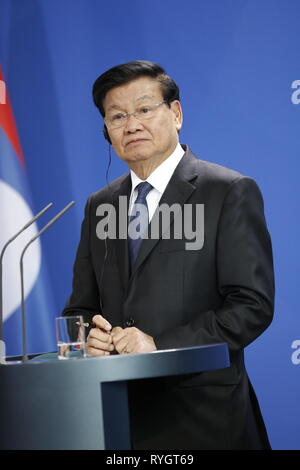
(136, 157)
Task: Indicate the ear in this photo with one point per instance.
(106, 134)
(177, 110)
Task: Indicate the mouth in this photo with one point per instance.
(135, 142)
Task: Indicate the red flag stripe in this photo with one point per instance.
(8, 125)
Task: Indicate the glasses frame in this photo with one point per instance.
(126, 116)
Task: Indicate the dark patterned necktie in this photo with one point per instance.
(135, 243)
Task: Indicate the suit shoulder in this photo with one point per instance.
(217, 172)
(231, 184)
(218, 178)
(207, 169)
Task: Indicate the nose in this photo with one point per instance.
(132, 125)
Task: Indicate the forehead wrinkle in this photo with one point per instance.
(140, 98)
(144, 97)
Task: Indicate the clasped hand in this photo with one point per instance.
(103, 339)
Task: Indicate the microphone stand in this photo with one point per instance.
(1, 260)
(51, 222)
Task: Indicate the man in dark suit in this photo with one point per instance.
(156, 293)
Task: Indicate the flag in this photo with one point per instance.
(15, 211)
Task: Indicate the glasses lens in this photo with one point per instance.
(142, 113)
(115, 121)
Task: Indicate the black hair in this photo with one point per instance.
(125, 73)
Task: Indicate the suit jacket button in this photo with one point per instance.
(130, 322)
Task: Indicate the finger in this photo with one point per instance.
(100, 335)
(116, 330)
(117, 334)
(122, 346)
(96, 344)
(96, 352)
(100, 322)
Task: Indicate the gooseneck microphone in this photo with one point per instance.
(51, 222)
(31, 221)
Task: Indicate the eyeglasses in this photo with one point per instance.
(144, 112)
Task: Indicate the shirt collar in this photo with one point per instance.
(161, 176)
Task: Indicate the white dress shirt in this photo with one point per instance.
(159, 179)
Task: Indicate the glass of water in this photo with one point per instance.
(70, 334)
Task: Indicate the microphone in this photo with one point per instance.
(51, 222)
(1, 260)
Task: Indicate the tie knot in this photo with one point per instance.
(143, 190)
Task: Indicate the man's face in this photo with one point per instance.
(151, 140)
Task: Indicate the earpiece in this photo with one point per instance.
(106, 134)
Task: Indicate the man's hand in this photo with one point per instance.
(132, 340)
(99, 340)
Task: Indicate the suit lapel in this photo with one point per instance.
(179, 189)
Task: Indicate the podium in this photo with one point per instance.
(82, 403)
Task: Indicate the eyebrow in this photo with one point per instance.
(141, 98)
